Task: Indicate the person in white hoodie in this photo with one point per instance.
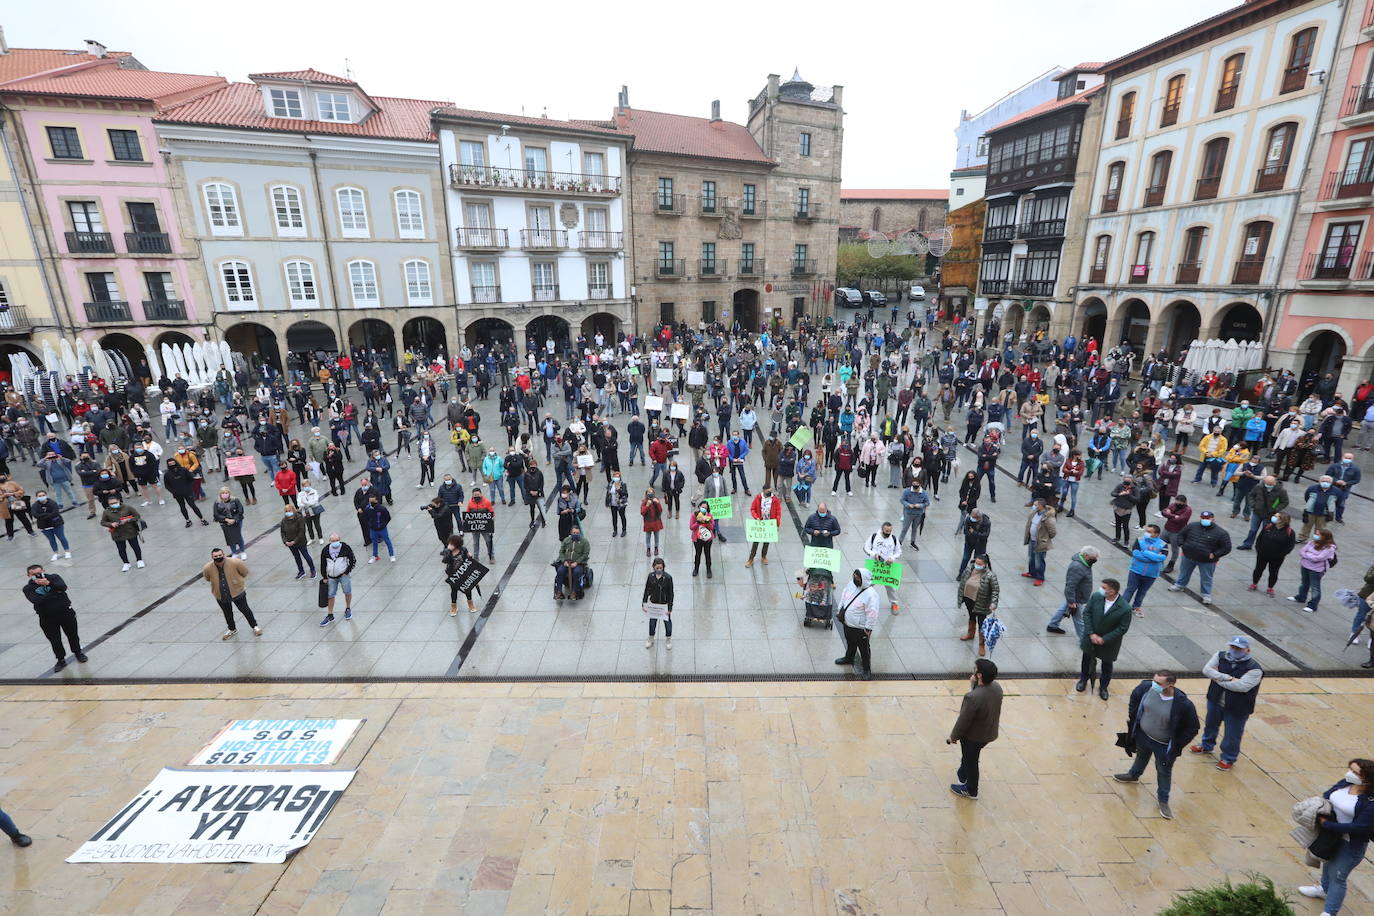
(858, 613)
(884, 545)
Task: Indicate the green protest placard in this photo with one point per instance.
(884, 573)
(822, 558)
(760, 531)
(720, 507)
(801, 438)
(634, 370)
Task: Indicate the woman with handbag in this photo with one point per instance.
(14, 505)
(452, 556)
(651, 510)
(311, 510)
(1352, 823)
(1316, 557)
(704, 531)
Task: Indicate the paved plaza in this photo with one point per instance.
(160, 622)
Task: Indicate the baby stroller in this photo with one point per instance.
(818, 594)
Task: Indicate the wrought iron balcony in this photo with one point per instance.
(750, 268)
(803, 267)
(486, 294)
(1097, 275)
(999, 233)
(1140, 273)
(1207, 188)
(108, 312)
(670, 269)
(1294, 78)
(147, 243)
(512, 179)
(547, 292)
(1359, 99)
(164, 310)
(1110, 201)
(1041, 229)
(1169, 115)
(599, 292)
(993, 287)
(543, 238)
(670, 204)
(1032, 288)
(1248, 270)
(1226, 96)
(1326, 265)
(1271, 177)
(756, 209)
(14, 320)
(1154, 195)
(90, 243)
(807, 211)
(712, 206)
(1347, 183)
(600, 240)
(712, 268)
(1188, 272)
(479, 237)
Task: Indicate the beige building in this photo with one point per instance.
(735, 222)
(891, 212)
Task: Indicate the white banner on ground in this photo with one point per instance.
(218, 816)
(278, 742)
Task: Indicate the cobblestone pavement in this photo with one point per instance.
(160, 622)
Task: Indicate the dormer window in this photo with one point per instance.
(285, 103)
(334, 106)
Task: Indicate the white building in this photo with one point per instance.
(971, 142)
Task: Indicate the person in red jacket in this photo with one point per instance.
(285, 482)
(658, 457)
(479, 503)
(765, 505)
(844, 463)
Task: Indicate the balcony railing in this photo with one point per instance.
(670, 204)
(482, 237)
(999, 233)
(599, 240)
(1123, 128)
(711, 206)
(486, 294)
(147, 243)
(543, 238)
(1366, 269)
(1322, 265)
(1226, 97)
(758, 209)
(1032, 287)
(164, 310)
(1140, 273)
(750, 268)
(672, 269)
(1294, 78)
(1154, 195)
(109, 312)
(1110, 201)
(993, 287)
(1248, 270)
(1346, 183)
(546, 292)
(1041, 229)
(806, 211)
(485, 176)
(1097, 275)
(1169, 115)
(1207, 188)
(1188, 272)
(90, 243)
(1358, 100)
(598, 292)
(712, 269)
(802, 267)
(1271, 177)
(1368, 17)
(14, 319)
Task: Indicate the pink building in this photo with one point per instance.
(111, 236)
(1328, 315)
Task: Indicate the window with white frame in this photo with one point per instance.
(284, 103)
(362, 276)
(352, 213)
(288, 212)
(334, 106)
(237, 278)
(598, 279)
(418, 288)
(484, 284)
(545, 281)
(222, 209)
(300, 284)
(410, 217)
(472, 152)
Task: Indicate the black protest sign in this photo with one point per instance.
(468, 574)
(479, 521)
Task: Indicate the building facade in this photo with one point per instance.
(1328, 278)
(1205, 138)
(319, 213)
(971, 147)
(538, 227)
(736, 223)
(890, 213)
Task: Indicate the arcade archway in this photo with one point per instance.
(130, 347)
(489, 332)
(1182, 326)
(548, 327)
(1325, 353)
(1240, 321)
(1094, 321)
(603, 323)
(372, 334)
(255, 342)
(424, 336)
(744, 309)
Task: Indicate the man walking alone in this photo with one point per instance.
(228, 577)
(976, 727)
(48, 595)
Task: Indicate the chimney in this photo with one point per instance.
(837, 94)
(773, 79)
(623, 100)
(715, 110)
(95, 48)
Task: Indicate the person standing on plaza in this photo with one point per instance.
(47, 515)
(658, 589)
(883, 545)
(1352, 806)
(1070, 479)
(705, 529)
(181, 485)
(915, 503)
(285, 483)
(14, 504)
(1317, 555)
(228, 578)
(453, 555)
(858, 614)
(479, 503)
(336, 566)
(674, 481)
(978, 592)
(123, 522)
(765, 505)
(1161, 720)
(1176, 516)
(1038, 539)
(1078, 588)
(1275, 542)
(293, 535)
(617, 498)
(1345, 476)
(1106, 618)
(1318, 506)
(228, 514)
(1263, 502)
(450, 495)
(377, 519)
(1203, 543)
(361, 498)
(977, 528)
(651, 511)
(47, 592)
(980, 713)
(1148, 554)
(533, 482)
(821, 527)
(442, 518)
(570, 512)
(1235, 678)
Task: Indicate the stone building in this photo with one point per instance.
(735, 222)
(890, 212)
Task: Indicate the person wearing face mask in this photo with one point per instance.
(308, 499)
(980, 713)
(765, 505)
(228, 578)
(1203, 543)
(1078, 588)
(1318, 555)
(14, 504)
(181, 485)
(674, 482)
(617, 498)
(47, 592)
(1345, 476)
(47, 515)
(296, 538)
(379, 472)
(336, 565)
(1352, 819)
(377, 519)
(1235, 678)
(1161, 720)
(479, 503)
(821, 527)
(806, 477)
(123, 522)
(570, 578)
(915, 503)
(228, 514)
(1319, 506)
(533, 481)
(1106, 620)
(1266, 498)
(978, 591)
(705, 529)
(658, 589)
(494, 473)
(651, 511)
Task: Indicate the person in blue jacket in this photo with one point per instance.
(1352, 801)
(738, 451)
(1345, 475)
(1148, 554)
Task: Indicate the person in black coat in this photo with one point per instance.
(1161, 721)
(658, 589)
(673, 483)
(182, 486)
(48, 595)
(534, 493)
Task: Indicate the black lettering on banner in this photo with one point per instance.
(303, 797)
(246, 801)
(278, 796)
(133, 817)
(114, 820)
(232, 826)
(468, 574)
(479, 521)
(208, 793)
(206, 822)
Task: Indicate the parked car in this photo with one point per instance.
(918, 294)
(848, 298)
(874, 297)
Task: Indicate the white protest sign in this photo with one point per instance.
(663, 376)
(696, 378)
(678, 412)
(218, 816)
(278, 742)
(653, 402)
(585, 461)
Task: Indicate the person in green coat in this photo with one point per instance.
(1106, 618)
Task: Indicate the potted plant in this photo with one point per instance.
(1255, 897)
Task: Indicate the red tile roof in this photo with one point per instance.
(896, 194)
(680, 135)
(309, 74)
(240, 105)
(114, 82)
(1047, 107)
(597, 127)
(21, 62)
(1087, 67)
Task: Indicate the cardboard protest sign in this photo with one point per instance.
(801, 438)
(884, 573)
(585, 461)
(696, 378)
(468, 574)
(822, 558)
(657, 611)
(663, 376)
(479, 521)
(653, 402)
(241, 465)
(278, 742)
(720, 507)
(678, 412)
(760, 531)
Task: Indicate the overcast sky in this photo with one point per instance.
(907, 69)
